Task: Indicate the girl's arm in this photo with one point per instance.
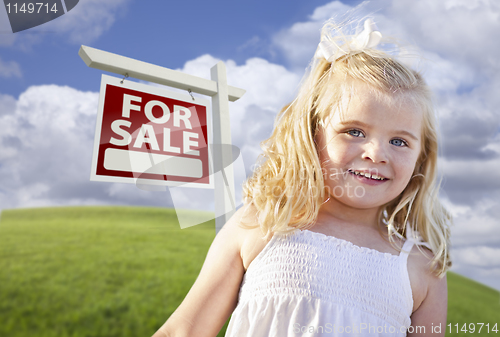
(214, 294)
(430, 317)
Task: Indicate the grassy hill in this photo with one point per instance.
(121, 271)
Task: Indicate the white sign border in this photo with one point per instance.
(105, 80)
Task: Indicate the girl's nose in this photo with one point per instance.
(375, 152)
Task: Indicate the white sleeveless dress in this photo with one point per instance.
(309, 284)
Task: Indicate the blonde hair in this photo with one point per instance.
(288, 187)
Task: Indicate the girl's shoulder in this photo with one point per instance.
(245, 229)
(430, 293)
(422, 279)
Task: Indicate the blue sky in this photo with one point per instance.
(48, 96)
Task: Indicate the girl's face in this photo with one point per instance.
(369, 150)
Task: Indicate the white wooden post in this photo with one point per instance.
(222, 153)
(217, 88)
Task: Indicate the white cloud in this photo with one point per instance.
(475, 240)
(267, 84)
(332, 9)
(475, 174)
(481, 256)
(459, 29)
(478, 262)
(88, 19)
(7, 104)
(461, 32)
(269, 87)
(487, 276)
(476, 225)
(298, 42)
(46, 147)
(10, 69)
(200, 66)
(443, 75)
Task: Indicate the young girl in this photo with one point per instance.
(331, 239)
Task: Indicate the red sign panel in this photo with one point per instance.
(148, 134)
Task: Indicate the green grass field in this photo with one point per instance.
(121, 271)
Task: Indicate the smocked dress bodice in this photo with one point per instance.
(309, 284)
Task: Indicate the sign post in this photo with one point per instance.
(224, 195)
(217, 88)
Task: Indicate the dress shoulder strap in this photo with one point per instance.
(406, 249)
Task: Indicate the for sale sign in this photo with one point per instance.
(148, 134)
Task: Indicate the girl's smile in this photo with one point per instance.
(375, 141)
(367, 177)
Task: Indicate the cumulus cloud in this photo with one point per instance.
(469, 182)
(46, 144)
(475, 240)
(475, 225)
(298, 42)
(482, 256)
(479, 262)
(460, 29)
(267, 84)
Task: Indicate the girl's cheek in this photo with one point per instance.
(408, 167)
(347, 153)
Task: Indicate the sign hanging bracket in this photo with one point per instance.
(123, 79)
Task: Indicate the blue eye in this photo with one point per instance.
(355, 133)
(398, 142)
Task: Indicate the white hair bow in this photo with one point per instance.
(368, 38)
